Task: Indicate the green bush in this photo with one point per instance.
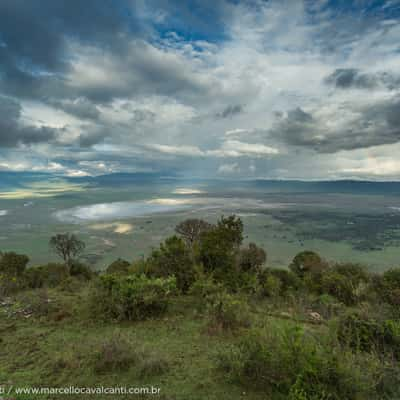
(271, 285)
(226, 312)
(307, 262)
(356, 273)
(118, 266)
(132, 297)
(339, 286)
(204, 287)
(297, 366)
(12, 267)
(13, 264)
(173, 258)
(289, 280)
(363, 333)
(388, 286)
(251, 258)
(49, 275)
(327, 306)
(81, 271)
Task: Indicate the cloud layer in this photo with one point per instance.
(276, 89)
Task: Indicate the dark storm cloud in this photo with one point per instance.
(230, 111)
(352, 78)
(33, 45)
(12, 133)
(33, 37)
(376, 124)
(94, 136)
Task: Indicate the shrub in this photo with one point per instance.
(13, 264)
(132, 297)
(173, 258)
(356, 273)
(289, 280)
(81, 271)
(226, 312)
(388, 286)
(297, 366)
(49, 275)
(339, 286)
(271, 285)
(204, 287)
(327, 306)
(251, 258)
(307, 262)
(118, 266)
(12, 267)
(367, 334)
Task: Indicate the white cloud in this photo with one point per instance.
(229, 168)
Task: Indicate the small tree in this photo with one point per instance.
(251, 258)
(173, 259)
(13, 264)
(219, 247)
(191, 229)
(307, 262)
(67, 246)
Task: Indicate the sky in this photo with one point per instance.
(200, 88)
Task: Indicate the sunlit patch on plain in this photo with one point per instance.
(116, 227)
(188, 191)
(42, 189)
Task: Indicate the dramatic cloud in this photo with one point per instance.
(277, 89)
(363, 126)
(13, 133)
(350, 78)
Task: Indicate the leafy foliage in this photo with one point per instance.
(297, 366)
(118, 266)
(251, 258)
(132, 297)
(227, 312)
(12, 267)
(173, 258)
(307, 262)
(13, 264)
(49, 275)
(218, 249)
(363, 333)
(388, 286)
(81, 271)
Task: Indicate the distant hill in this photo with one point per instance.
(9, 180)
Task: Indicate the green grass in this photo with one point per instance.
(45, 352)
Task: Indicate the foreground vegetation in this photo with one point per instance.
(202, 317)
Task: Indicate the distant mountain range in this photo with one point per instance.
(10, 180)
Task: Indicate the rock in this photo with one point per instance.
(314, 316)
